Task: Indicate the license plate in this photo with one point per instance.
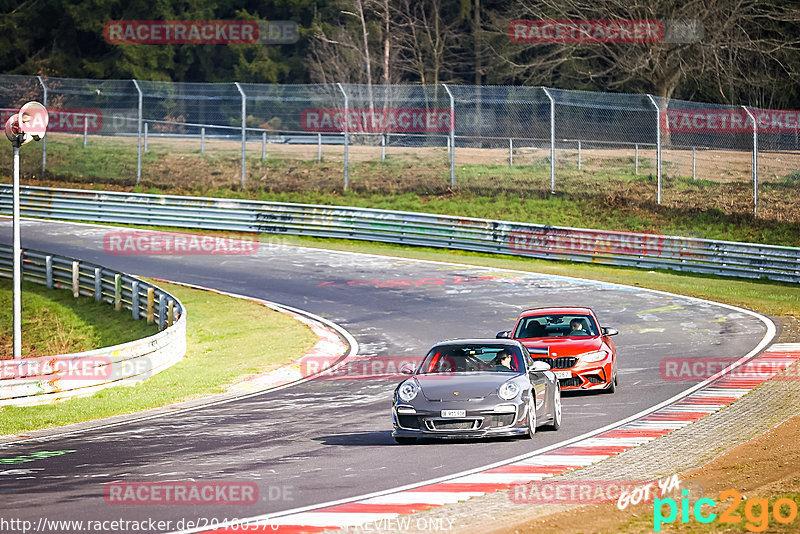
(563, 374)
(454, 413)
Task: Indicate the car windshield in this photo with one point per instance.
(556, 325)
(471, 358)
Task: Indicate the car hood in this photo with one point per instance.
(461, 386)
(560, 347)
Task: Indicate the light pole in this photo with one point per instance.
(30, 124)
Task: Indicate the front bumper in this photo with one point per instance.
(588, 377)
(475, 423)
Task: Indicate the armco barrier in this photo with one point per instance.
(726, 258)
(41, 380)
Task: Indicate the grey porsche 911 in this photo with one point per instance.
(470, 388)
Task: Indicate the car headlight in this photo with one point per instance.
(594, 356)
(408, 391)
(508, 391)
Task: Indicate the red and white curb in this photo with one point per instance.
(385, 508)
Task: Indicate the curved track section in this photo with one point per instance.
(325, 440)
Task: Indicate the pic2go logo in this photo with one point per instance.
(756, 511)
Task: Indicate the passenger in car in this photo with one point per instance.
(534, 329)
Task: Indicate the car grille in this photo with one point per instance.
(565, 362)
(594, 379)
(455, 424)
(567, 382)
(494, 421)
(408, 421)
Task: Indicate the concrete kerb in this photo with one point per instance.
(335, 344)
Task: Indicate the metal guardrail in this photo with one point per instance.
(41, 380)
(744, 260)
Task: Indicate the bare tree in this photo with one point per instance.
(429, 38)
(744, 43)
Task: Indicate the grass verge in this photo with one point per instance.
(54, 322)
(221, 334)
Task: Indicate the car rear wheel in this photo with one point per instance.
(405, 441)
(556, 424)
(531, 417)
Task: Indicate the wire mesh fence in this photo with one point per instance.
(427, 139)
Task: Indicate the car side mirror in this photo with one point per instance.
(407, 369)
(505, 334)
(610, 331)
(539, 367)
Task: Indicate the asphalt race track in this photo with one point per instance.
(326, 440)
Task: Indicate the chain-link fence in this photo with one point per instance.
(429, 139)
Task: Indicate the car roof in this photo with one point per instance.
(553, 310)
(480, 341)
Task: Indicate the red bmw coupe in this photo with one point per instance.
(580, 351)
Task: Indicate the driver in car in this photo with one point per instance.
(576, 326)
(502, 362)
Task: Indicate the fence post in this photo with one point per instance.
(202, 140)
(510, 152)
(139, 136)
(579, 154)
(86, 130)
(44, 139)
(162, 310)
(117, 292)
(346, 137)
(636, 159)
(552, 140)
(383, 147)
(48, 271)
(263, 145)
(98, 284)
(452, 137)
(754, 160)
(76, 279)
(170, 312)
(244, 130)
(694, 164)
(658, 146)
(135, 299)
(319, 147)
(150, 302)
(145, 138)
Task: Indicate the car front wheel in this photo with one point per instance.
(531, 418)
